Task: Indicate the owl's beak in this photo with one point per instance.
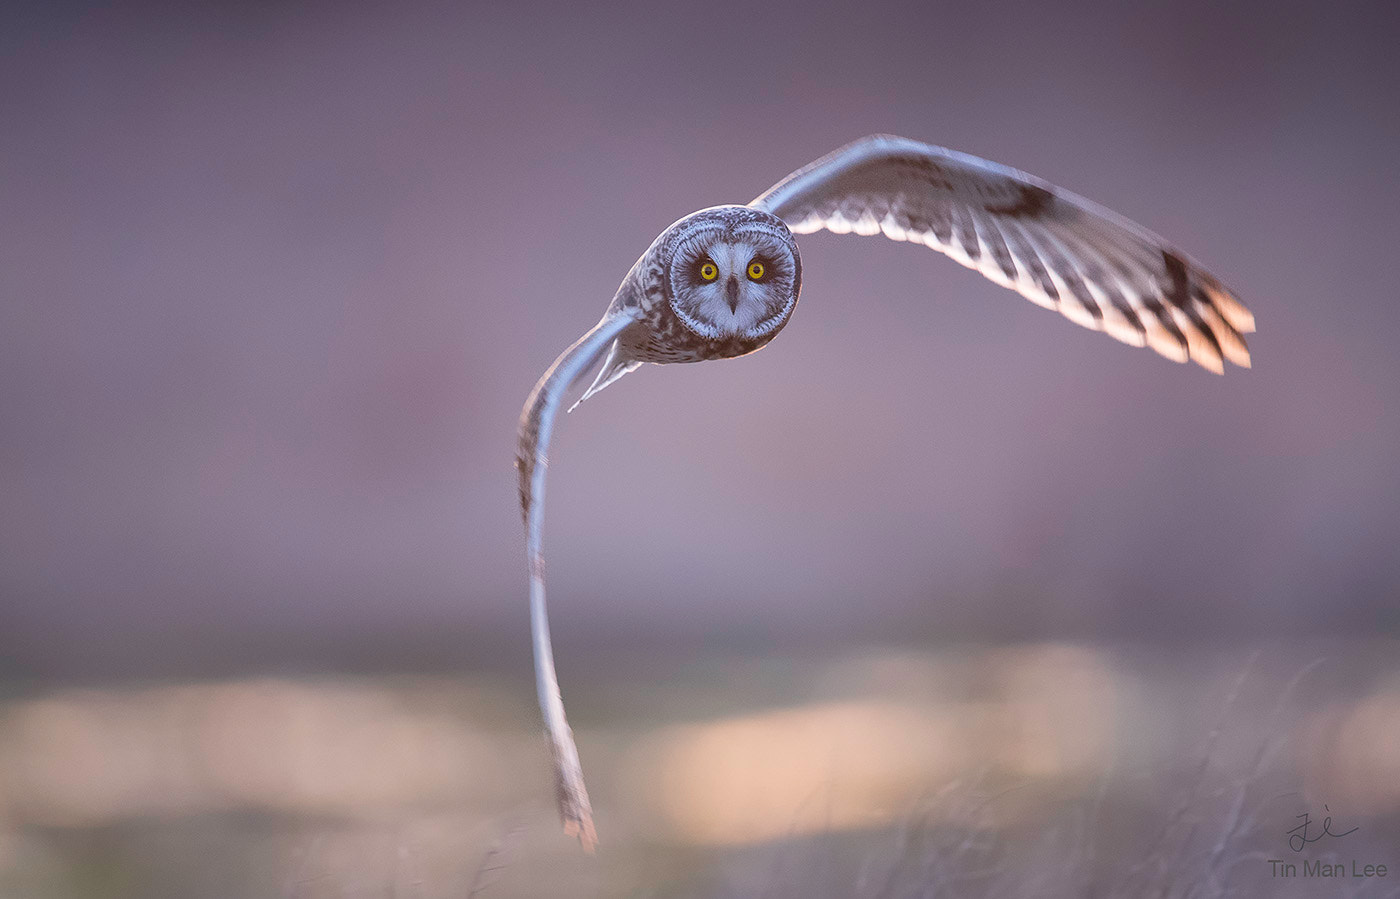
(731, 293)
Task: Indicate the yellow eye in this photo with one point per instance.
(756, 270)
(709, 272)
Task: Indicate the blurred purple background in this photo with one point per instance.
(275, 282)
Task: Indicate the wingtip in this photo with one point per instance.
(1231, 308)
(1238, 354)
(1237, 314)
(582, 830)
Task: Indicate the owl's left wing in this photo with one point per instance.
(1053, 247)
(536, 426)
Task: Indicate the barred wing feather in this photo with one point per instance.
(1056, 249)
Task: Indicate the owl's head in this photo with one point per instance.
(731, 272)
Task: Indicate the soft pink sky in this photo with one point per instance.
(274, 285)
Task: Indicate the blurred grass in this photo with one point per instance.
(1025, 769)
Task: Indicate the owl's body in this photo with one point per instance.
(724, 281)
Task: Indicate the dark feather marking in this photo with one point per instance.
(1179, 295)
(1062, 257)
(1113, 264)
(992, 236)
(1199, 321)
(1030, 258)
(967, 233)
(1101, 275)
(1203, 326)
(1200, 296)
(1032, 202)
(1070, 275)
(927, 171)
(1126, 309)
(941, 226)
(1114, 295)
(1179, 290)
(1164, 318)
(1041, 275)
(910, 221)
(1053, 260)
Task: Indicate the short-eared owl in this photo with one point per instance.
(724, 281)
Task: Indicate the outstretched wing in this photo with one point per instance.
(536, 426)
(1056, 249)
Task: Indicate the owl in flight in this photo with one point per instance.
(724, 281)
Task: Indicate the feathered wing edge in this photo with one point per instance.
(613, 367)
(1054, 247)
(536, 426)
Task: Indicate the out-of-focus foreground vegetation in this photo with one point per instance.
(1031, 769)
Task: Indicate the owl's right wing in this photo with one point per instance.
(536, 426)
(1053, 247)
